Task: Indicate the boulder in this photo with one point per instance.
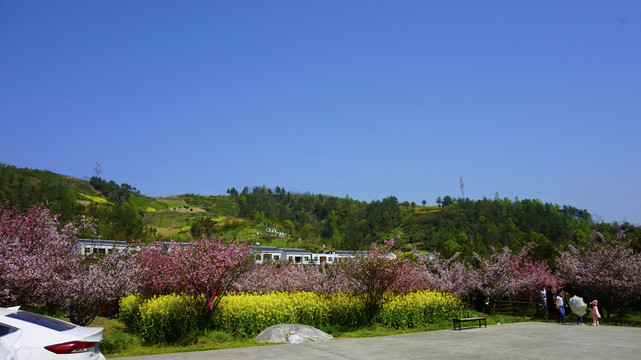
(292, 333)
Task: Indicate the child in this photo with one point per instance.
(595, 313)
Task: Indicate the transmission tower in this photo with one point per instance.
(462, 188)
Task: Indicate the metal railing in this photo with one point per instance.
(512, 307)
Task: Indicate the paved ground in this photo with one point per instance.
(533, 340)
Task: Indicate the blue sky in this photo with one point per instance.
(535, 100)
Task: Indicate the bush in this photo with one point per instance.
(419, 309)
(168, 318)
(347, 311)
(130, 311)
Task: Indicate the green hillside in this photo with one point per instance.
(314, 221)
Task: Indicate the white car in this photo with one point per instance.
(6, 352)
(26, 335)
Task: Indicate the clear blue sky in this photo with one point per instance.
(528, 99)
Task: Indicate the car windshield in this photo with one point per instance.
(48, 322)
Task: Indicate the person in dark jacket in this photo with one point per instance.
(549, 295)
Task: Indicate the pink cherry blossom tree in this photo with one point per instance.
(609, 271)
(372, 274)
(41, 265)
(37, 259)
(447, 275)
(159, 268)
(210, 266)
(285, 276)
(206, 267)
(504, 275)
(99, 280)
(535, 275)
(499, 275)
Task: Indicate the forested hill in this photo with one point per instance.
(315, 221)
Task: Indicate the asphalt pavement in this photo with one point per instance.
(531, 340)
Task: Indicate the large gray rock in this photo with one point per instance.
(292, 333)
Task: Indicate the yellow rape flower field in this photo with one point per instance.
(249, 314)
(239, 317)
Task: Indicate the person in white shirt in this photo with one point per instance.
(561, 307)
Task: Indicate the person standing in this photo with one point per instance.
(544, 302)
(577, 305)
(560, 306)
(595, 313)
(549, 297)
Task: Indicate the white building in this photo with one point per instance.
(262, 254)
